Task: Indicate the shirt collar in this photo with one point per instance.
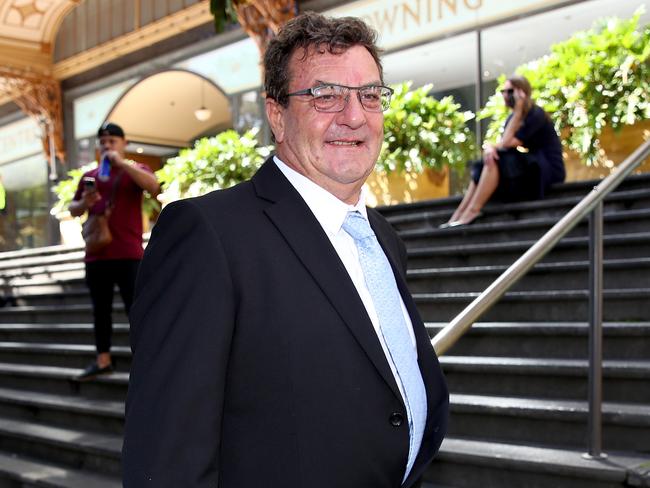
(328, 209)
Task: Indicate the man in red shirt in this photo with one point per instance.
(117, 263)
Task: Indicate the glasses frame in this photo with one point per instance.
(310, 92)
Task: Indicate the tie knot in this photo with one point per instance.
(357, 226)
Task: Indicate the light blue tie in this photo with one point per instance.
(386, 299)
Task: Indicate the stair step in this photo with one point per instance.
(60, 380)
(27, 261)
(545, 328)
(622, 340)
(530, 228)
(42, 283)
(628, 245)
(471, 463)
(63, 410)
(618, 273)
(75, 448)
(549, 409)
(76, 313)
(73, 404)
(60, 333)
(547, 421)
(53, 288)
(573, 367)
(433, 216)
(554, 305)
(40, 251)
(623, 381)
(55, 297)
(43, 274)
(66, 355)
(31, 473)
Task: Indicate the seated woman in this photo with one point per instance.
(507, 174)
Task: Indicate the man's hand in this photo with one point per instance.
(90, 198)
(144, 179)
(117, 161)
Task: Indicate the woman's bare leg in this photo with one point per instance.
(469, 194)
(486, 186)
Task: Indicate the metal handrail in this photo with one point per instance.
(592, 204)
(448, 336)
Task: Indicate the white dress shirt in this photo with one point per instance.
(330, 212)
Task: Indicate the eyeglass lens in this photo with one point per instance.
(333, 98)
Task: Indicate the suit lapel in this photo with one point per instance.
(295, 221)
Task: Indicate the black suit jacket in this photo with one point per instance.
(255, 363)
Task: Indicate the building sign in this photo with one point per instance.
(406, 22)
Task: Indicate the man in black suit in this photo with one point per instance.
(262, 355)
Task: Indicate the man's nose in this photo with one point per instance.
(353, 114)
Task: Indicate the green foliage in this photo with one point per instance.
(423, 132)
(596, 78)
(214, 162)
(65, 190)
(223, 13)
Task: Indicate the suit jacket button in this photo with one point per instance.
(396, 419)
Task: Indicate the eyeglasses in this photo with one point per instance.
(333, 98)
(508, 91)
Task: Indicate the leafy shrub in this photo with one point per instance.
(423, 132)
(214, 162)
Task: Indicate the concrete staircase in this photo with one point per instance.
(54, 430)
(518, 379)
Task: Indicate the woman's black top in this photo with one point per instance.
(538, 135)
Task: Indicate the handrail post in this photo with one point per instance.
(595, 434)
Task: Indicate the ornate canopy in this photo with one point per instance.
(27, 32)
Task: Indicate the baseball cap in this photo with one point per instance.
(110, 129)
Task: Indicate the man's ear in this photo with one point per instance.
(275, 116)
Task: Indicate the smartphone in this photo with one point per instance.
(89, 183)
(509, 97)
